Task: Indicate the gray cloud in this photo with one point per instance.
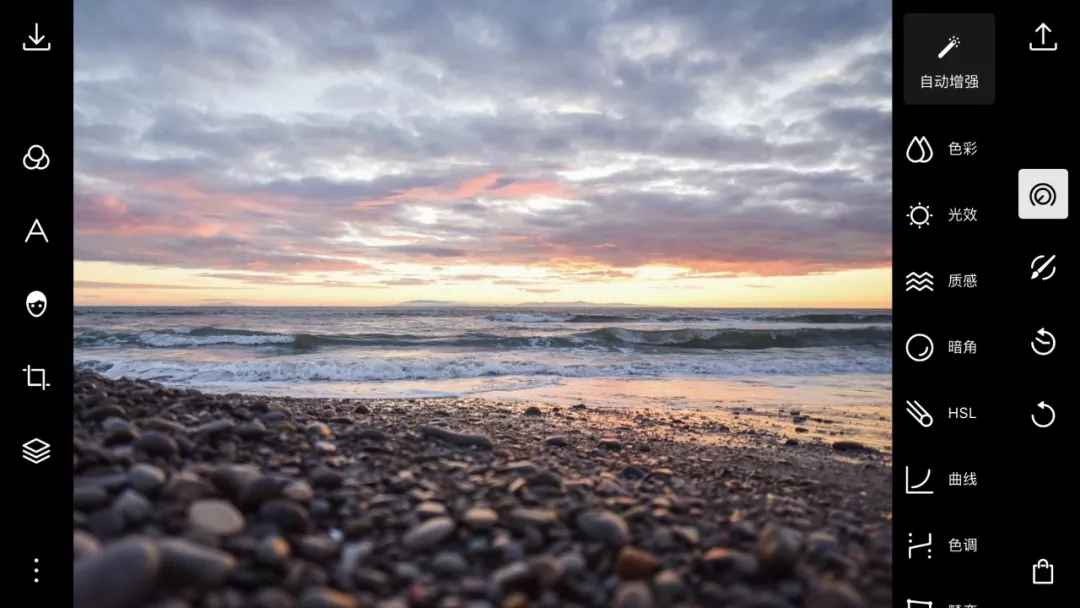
(277, 137)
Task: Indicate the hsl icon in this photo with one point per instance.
(919, 150)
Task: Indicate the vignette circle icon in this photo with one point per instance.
(919, 215)
(36, 303)
(919, 348)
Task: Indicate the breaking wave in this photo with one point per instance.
(612, 337)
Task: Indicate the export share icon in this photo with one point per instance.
(36, 451)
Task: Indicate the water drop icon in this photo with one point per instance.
(919, 150)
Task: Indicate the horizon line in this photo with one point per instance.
(472, 306)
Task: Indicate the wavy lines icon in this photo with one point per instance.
(920, 281)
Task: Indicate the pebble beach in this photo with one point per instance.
(191, 500)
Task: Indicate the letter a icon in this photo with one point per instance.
(36, 230)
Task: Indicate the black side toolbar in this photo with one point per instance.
(37, 432)
(979, 101)
(1035, 327)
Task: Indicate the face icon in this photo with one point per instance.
(35, 304)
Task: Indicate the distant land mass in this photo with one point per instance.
(447, 303)
(431, 303)
(576, 305)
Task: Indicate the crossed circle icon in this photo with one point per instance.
(36, 159)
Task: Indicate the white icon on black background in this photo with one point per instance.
(35, 377)
(36, 231)
(919, 281)
(919, 151)
(36, 451)
(917, 488)
(919, 413)
(1042, 405)
(36, 303)
(1042, 573)
(36, 159)
(1043, 343)
(919, 348)
(1042, 31)
(919, 215)
(1042, 267)
(37, 39)
(913, 546)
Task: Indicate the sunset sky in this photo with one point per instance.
(369, 152)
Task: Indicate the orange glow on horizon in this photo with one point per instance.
(324, 285)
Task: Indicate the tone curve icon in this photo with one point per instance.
(916, 488)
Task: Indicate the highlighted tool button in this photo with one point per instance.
(1043, 194)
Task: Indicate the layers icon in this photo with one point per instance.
(36, 451)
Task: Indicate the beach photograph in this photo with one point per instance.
(475, 304)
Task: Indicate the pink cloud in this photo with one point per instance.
(486, 183)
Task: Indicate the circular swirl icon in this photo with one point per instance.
(1042, 195)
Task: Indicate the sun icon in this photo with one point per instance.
(919, 215)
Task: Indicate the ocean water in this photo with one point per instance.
(616, 356)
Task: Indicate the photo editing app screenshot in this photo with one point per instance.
(540, 304)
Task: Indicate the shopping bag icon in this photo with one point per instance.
(1042, 573)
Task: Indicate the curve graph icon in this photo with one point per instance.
(919, 281)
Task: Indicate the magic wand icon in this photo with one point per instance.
(953, 42)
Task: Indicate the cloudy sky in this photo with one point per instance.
(366, 152)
